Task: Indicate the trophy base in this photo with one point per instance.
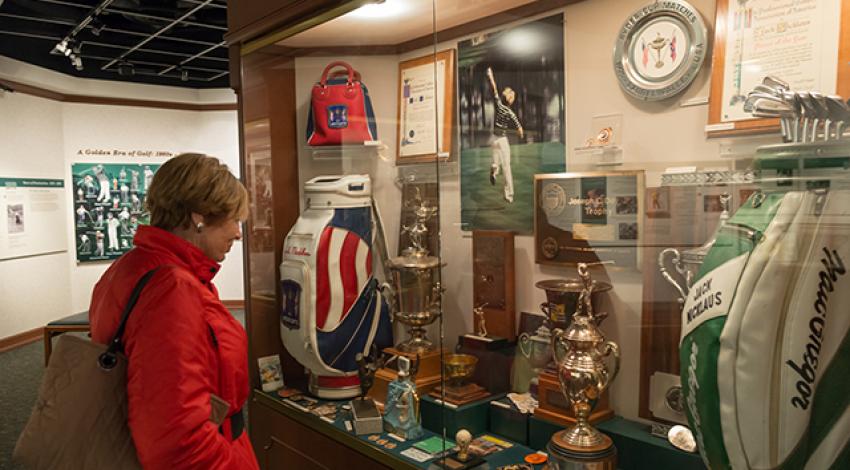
(416, 346)
(555, 408)
(453, 462)
(460, 394)
(566, 456)
(426, 379)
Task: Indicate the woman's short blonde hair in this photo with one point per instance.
(195, 183)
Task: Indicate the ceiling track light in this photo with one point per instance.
(96, 26)
(126, 69)
(184, 74)
(61, 47)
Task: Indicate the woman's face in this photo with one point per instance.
(216, 240)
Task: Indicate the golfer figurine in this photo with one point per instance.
(504, 123)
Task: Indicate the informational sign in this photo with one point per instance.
(32, 208)
(109, 206)
(588, 217)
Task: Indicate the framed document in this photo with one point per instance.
(806, 43)
(425, 108)
(588, 217)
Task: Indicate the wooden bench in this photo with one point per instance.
(76, 322)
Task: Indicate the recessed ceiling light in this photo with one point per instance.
(378, 11)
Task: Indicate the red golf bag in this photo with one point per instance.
(340, 110)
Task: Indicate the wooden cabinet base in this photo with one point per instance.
(287, 438)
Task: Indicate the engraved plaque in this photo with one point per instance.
(493, 284)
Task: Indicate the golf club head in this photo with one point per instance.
(822, 112)
(791, 98)
(756, 95)
(775, 82)
(770, 105)
(839, 112)
(809, 115)
(767, 89)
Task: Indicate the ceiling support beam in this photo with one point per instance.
(154, 35)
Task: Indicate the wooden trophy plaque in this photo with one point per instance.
(493, 287)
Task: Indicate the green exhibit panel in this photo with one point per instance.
(507, 421)
(474, 417)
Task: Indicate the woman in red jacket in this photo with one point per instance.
(183, 346)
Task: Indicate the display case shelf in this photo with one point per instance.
(369, 148)
(607, 156)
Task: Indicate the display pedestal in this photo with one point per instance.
(460, 394)
(437, 415)
(453, 462)
(427, 378)
(565, 455)
(506, 420)
(493, 354)
(554, 406)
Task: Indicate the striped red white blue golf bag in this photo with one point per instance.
(332, 307)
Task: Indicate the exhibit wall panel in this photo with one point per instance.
(133, 128)
(34, 289)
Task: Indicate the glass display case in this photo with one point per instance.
(475, 240)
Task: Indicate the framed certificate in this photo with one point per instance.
(806, 43)
(425, 108)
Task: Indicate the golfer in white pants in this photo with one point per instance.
(104, 184)
(504, 123)
(112, 229)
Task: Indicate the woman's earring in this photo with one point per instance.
(199, 227)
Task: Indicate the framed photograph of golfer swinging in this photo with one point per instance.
(425, 108)
(512, 122)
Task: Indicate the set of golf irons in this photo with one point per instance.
(804, 116)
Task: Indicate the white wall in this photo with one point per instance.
(32, 289)
(41, 138)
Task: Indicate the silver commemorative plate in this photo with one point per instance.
(660, 50)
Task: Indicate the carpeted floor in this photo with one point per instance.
(20, 376)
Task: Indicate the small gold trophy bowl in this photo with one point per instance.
(459, 368)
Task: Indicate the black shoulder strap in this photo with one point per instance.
(108, 360)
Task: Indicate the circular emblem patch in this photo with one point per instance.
(549, 248)
(553, 199)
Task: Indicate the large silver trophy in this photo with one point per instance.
(415, 290)
(583, 373)
(687, 262)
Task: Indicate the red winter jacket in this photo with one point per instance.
(182, 346)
